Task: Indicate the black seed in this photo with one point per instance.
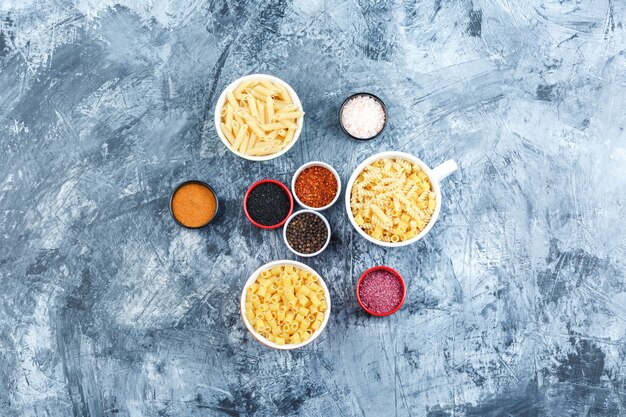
(268, 204)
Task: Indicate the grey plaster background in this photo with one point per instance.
(517, 299)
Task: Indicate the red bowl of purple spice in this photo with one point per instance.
(381, 291)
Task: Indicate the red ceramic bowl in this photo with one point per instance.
(285, 189)
(397, 275)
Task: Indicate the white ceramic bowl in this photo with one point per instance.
(253, 278)
(435, 175)
(315, 164)
(222, 99)
(306, 255)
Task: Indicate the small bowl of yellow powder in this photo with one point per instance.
(193, 204)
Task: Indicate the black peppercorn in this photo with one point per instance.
(306, 233)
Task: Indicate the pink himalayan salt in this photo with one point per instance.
(380, 291)
(363, 117)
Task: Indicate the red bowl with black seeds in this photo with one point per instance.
(381, 291)
(268, 204)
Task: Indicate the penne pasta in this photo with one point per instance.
(239, 120)
(242, 86)
(282, 106)
(228, 119)
(289, 115)
(268, 84)
(284, 94)
(289, 136)
(252, 105)
(272, 126)
(240, 135)
(271, 136)
(270, 109)
(261, 110)
(265, 112)
(262, 150)
(244, 145)
(289, 124)
(232, 100)
(252, 123)
(257, 94)
(252, 140)
(226, 131)
(266, 91)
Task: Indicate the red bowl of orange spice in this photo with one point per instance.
(316, 185)
(193, 204)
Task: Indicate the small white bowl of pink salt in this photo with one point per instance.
(363, 116)
(381, 291)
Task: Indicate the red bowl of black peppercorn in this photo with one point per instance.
(306, 233)
(268, 204)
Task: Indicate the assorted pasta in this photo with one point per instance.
(286, 304)
(259, 117)
(392, 200)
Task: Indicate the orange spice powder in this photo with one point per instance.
(193, 205)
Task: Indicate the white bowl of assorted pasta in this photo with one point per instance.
(393, 198)
(285, 304)
(258, 117)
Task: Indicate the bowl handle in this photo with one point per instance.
(445, 169)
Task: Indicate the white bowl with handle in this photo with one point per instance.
(435, 175)
(231, 87)
(254, 277)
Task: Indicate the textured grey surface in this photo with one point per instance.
(517, 299)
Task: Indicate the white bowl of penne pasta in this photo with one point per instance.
(285, 304)
(393, 198)
(259, 117)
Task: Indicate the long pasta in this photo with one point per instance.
(266, 110)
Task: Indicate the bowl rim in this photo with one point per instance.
(252, 187)
(393, 154)
(375, 97)
(182, 184)
(252, 278)
(312, 164)
(293, 216)
(381, 268)
(222, 99)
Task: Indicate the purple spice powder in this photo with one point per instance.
(380, 291)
